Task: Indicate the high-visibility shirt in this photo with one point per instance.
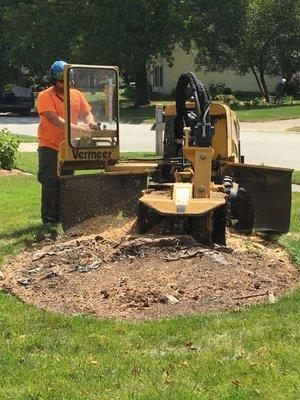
(48, 100)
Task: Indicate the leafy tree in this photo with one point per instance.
(261, 36)
(39, 32)
(127, 33)
(8, 68)
(131, 33)
(286, 15)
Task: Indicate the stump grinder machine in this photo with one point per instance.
(199, 185)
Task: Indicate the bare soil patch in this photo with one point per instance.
(13, 172)
(294, 129)
(116, 273)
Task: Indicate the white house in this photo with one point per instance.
(163, 78)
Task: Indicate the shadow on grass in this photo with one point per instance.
(136, 115)
(32, 234)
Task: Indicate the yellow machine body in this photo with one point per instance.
(192, 198)
(226, 140)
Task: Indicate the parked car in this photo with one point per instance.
(18, 99)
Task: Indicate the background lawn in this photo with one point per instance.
(296, 177)
(146, 114)
(269, 114)
(252, 354)
(28, 162)
(27, 138)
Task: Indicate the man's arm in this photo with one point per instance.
(54, 119)
(59, 122)
(90, 121)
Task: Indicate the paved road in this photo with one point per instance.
(266, 142)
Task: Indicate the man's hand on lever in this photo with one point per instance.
(82, 128)
(95, 126)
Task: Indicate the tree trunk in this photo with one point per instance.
(257, 80)
(141, 87)
(260, 79)
(264, 85)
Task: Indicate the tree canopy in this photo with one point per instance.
(261, 36)
(127, 33)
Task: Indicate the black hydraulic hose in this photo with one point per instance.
(198, 119)
(202, 102)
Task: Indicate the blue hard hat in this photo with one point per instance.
(57, 71)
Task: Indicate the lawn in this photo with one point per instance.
(235, 355)
(27, 138)
(28, 162)
(146, 114)
(296, 177)
(269, 114)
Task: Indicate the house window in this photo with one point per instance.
(158, 76)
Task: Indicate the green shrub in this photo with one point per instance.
(9, 144)
(226, 98)
(216, 89)
(286, 100)
(258, 102)
(122, 83)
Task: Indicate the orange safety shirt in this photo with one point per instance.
(48, 100)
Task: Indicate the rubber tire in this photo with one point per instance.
(244, 211)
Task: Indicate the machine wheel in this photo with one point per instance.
(242, 210)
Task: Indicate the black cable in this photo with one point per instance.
(194, 120)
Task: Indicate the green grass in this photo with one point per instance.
(252, 354)
(269, 114)
(27, 138)
(296, 177)
(27, 161)
(19, 214)
(146, 114)
(292, 240)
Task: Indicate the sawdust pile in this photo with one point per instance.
(13, 172)
(116, 273)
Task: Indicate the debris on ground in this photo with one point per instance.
(12, 172)
(115, 273)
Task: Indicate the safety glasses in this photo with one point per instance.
(60, 76)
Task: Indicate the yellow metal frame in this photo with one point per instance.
(227, 130)
(192, 198)
(84, 157)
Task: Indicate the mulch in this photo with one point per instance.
(116, 273)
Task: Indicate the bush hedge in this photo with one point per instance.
(9, 144)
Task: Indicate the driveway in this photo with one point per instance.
(262, 143)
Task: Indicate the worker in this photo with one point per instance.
(50, 106)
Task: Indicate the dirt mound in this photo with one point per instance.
(119, 274)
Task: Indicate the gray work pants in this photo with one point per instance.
(47, 176)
